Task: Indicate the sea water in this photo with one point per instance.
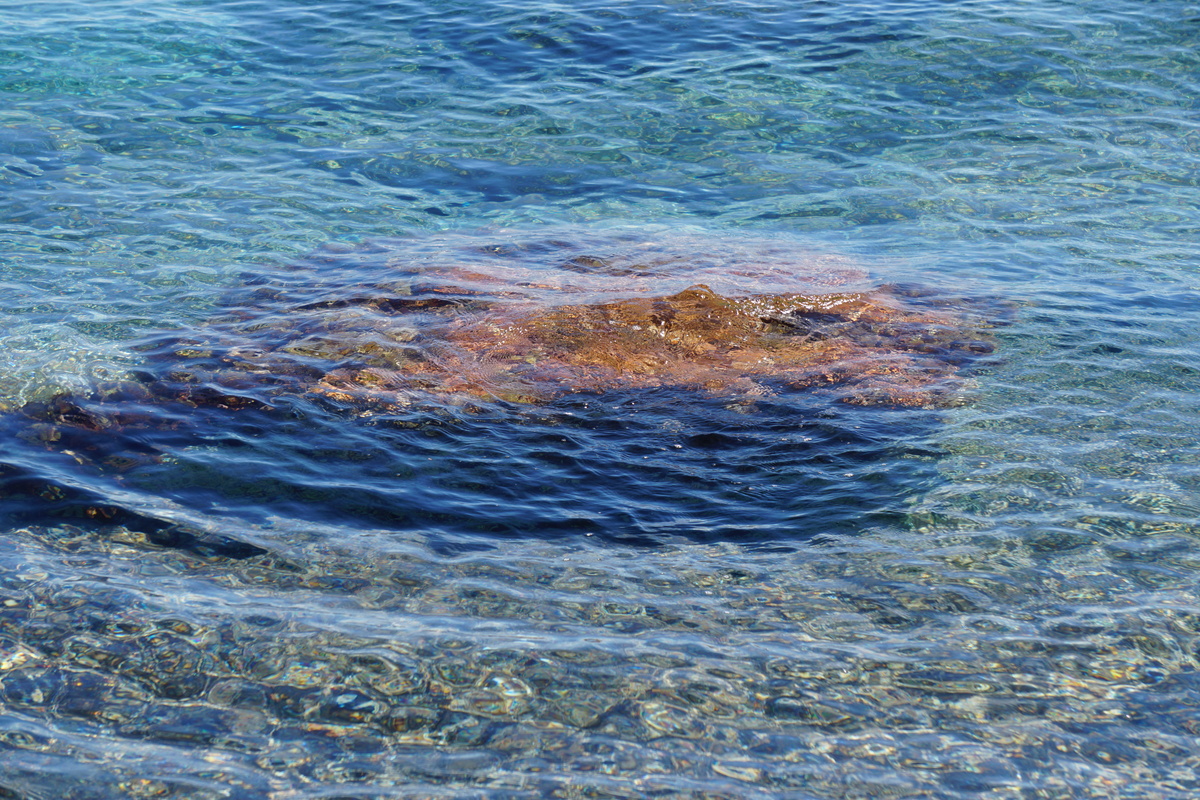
(619, 594)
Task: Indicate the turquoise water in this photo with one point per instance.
(635, 593)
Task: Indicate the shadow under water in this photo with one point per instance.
(630, 384)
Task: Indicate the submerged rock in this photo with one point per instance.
(467, 318)
(248, 409)
(866, 344)
(531, 319)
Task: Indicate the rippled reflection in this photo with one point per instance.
(654, 591)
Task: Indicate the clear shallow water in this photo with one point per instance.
(997, 600)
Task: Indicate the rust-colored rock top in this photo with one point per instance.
(383, 326)
(865, 346)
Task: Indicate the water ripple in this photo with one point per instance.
(631, 595)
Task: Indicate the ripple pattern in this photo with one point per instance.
(628, 595)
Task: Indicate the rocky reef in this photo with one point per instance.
(389, 324)
(407, 333)
(521, 318)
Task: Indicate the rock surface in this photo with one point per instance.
(867, 345)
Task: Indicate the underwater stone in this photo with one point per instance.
(530, 319)
(466, 319)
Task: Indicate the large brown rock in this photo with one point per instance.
(866, 347)
(531, 318)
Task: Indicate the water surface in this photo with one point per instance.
(632, 593)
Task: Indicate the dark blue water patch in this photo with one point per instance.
(589, 42)
(638, 468)
(41, 492)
